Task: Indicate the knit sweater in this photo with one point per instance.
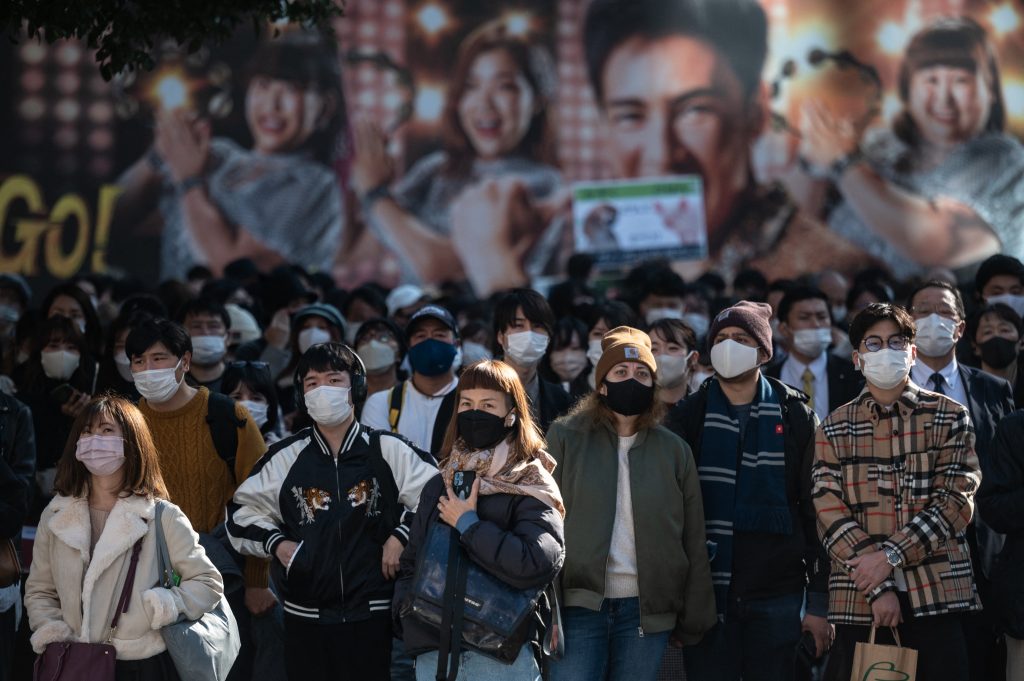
(620, 573)
(197, 479)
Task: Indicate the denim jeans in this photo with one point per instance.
(757, 642)
(477, 667)
(608, 644)
(401, 664)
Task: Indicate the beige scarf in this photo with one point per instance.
(498, 476)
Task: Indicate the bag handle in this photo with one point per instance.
(895, 635)
(168, 577)
(126, 590)
(553, 645)
(454, 609)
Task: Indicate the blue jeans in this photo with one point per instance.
(608, 644)
(477, 667)
(757, 642)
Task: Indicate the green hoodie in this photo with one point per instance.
(673, 572)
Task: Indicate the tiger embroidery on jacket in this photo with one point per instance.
(366, 493)
(310, 500)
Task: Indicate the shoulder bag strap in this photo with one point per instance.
(126, 590)
(396, 401)
(452, 612)
(168, 577)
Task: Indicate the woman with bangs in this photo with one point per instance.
(510, 524)
(495, 124)
(636, 571)
(103, 517)
(279, 201)
(944, 187)
(56, 383)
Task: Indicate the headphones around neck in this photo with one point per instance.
(356, 371)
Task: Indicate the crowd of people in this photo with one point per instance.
(750, 474)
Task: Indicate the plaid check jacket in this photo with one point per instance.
(903, 479)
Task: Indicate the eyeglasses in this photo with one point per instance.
(259, 367)
(875, 343)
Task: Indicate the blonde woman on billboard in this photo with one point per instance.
(945, 186)
(496, 139)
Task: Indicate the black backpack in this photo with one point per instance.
(224, 425)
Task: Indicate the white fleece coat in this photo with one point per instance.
(70, 596)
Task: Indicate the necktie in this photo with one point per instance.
(938, 381)
(809, 385)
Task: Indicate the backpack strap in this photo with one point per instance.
(441, 421)
(224, 425)
(397, 401)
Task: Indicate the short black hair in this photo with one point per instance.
(750, 278)
(149, 332)
(797, 294)
(535, 309)
(873, 287)
(1000, 310)
(675, 331)
(378, 323)
(204, 305)
(580, 265)
(664, 282)
(736, 29)
(614, 313)
(255, 375)
(326, 357)
(995, 266)
(143, 303)
(565, 329)
(880, 312)
(946, 286)
(198, 272)
(369, 295)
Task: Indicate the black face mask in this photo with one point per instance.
(998, 353)
(481, 429)
(629, 397)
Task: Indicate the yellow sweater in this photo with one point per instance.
(198, 480)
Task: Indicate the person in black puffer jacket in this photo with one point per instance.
(510, 525)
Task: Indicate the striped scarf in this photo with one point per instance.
(743, 484)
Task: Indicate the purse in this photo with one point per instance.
(876, 661)
(10, 563)
(75, 661)
(202, 649)
(493, 620)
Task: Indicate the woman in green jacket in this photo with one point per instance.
(636, 567)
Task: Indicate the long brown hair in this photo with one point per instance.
(141, 467)
(493, 374)
(537, 68)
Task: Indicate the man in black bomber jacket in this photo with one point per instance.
(331, 506)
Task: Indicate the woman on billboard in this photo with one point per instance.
(944, 187)
(279, 201)
(495, 125)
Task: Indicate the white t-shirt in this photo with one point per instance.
(419, 411)
(620, 576)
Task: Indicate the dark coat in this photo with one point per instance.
(844, 381)
(764, 565)
(519, 539)
(1001, 501)
(554, 402)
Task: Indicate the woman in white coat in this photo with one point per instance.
(108, 484)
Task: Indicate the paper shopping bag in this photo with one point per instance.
(875, 662)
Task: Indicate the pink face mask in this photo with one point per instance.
(101, 454)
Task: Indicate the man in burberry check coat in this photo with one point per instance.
(895, 475)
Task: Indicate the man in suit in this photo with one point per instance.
(805, 321)
(938, 311)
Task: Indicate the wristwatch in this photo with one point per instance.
(381, 191)
(186, 185)
(892, 557)
(841, 165)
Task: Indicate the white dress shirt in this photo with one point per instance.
(792, 374)
(419, 411)
(954, 388)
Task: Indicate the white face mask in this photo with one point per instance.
(697, 378)
(158, 385)
(594, 351)
(474, 352)
(838, 313)
(313, 336)
(698, 322)
(59, 364)
(1014, 301)
(376, 355)
(80, 322)
(124, 366)
(673, 370)
(208, 350)
(567, 364)
(656, 313)
(257, 410)
(812, 342)
(730, 359)
(9, 313)
(935, 335)
(457, 359)
(886, 368)
(526, 347)
(328, 405)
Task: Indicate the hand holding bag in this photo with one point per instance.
(204, 649)
(10, 563)
(75, 661)
(876, 662)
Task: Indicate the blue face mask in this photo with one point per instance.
(431, 357)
